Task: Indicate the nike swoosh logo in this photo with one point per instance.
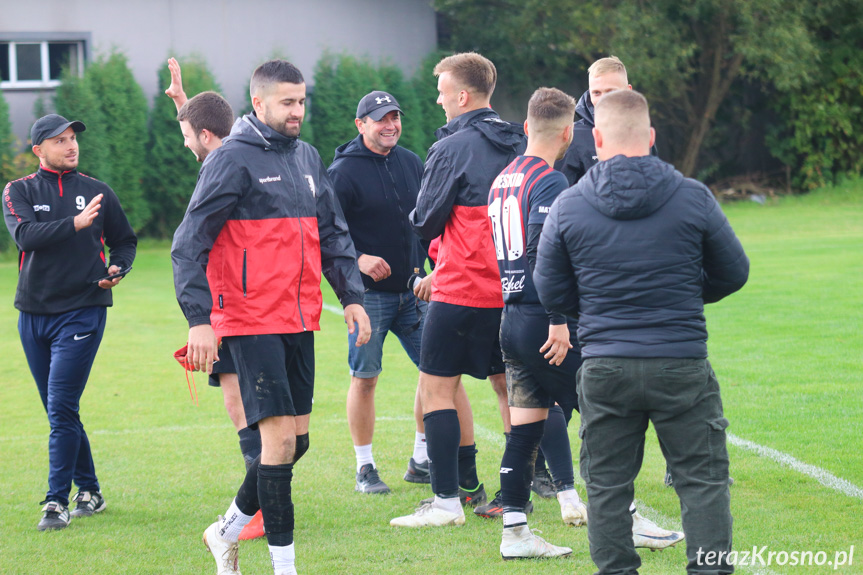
(77, 338)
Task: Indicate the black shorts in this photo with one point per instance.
(531, 381)
(461, 340)
(276, 372)
(224, 365)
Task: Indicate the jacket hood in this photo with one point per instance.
(355, 148)
(250, 130)
(584, 108)
(625, 188)
(503, 135)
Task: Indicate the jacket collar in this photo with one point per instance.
(463, 121)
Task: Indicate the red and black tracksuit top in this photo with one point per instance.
(471, 151)
(260, 228)
(57, 265)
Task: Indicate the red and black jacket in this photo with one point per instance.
(260, 228)
(471, 151)
(57, 265)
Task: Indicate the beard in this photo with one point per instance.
(279, 125)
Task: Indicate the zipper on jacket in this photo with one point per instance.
(244, 272)
(60, 183)
(302, 240)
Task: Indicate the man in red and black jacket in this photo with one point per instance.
(61, 221)
(463, 319)
(260, 228)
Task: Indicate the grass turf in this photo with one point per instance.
(787, 351)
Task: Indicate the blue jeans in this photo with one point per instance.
(60, 350)
(617, 398)
(400, 313)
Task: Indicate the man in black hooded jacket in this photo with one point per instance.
(635, 250)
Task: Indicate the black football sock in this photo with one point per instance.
(516, 466)
(467, 478)
(442, 437)
(555, 445)
(274, 492)
(247, 495)
(250, 444)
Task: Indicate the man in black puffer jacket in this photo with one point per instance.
(635, 250)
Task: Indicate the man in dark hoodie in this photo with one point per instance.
(260, 228)
(604, 76)
(634, 251)
(376, 182)
(463, 320)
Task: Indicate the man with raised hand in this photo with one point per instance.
(635, 250)
(463, 319)
(61, 221)
(204, 121)
(540, 369)
(261, 227)
(376, 182)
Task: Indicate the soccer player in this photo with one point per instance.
(376, 182)
(635, 250)
(204, 121)
(463, 319)
(261, 227)
(61, 221)
(540, 369)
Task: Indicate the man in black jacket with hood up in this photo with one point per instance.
(376, 182)
(634, 251)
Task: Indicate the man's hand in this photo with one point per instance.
(175, 90)
(355, 314)
(88, 214)
(203, 349)
(423, 290)
(108, 284)
(557, 344)
(374, 267)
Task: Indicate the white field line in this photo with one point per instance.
(822, 476)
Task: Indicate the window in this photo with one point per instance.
(33, 64)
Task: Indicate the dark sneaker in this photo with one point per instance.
(494, 508)
(55, 515)
(543, 485)
(368, 480)
(88, 503)
(472, 498)
(417, 472)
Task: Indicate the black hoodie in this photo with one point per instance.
(634, 251)
(377, 193)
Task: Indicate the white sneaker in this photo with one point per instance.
(224, 552)
(427, 515)
(647, 534)
(572, 509)
(522, 543)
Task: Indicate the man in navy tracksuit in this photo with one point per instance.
(61, 220)
(635, 250)
(376, 182)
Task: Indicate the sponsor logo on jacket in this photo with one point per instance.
(41, 208)
(311, 182)
(269, 179)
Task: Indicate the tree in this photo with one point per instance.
(684, 56)
(393, 81)
(75, 100)
(172, 169)
(425, 88)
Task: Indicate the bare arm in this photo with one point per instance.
(175, 90)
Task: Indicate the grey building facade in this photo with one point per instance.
(233, 36)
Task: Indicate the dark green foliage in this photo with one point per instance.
(340, 82)
(172, 170)
(76, 100)
(431, 114)
(124, 109)
(412, 136)
(821, 135)
(7, 144)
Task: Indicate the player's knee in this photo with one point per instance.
(302, 446)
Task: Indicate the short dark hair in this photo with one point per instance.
(208, 111)
(274, 72)
(470, 70)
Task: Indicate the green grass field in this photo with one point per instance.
(787, 349)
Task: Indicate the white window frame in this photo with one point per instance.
(46, 82)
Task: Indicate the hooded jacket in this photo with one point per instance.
(261, 226)
(57, 265)
(471, 151)
(634, 251)
(376, 194)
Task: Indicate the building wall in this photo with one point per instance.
(233, 36)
